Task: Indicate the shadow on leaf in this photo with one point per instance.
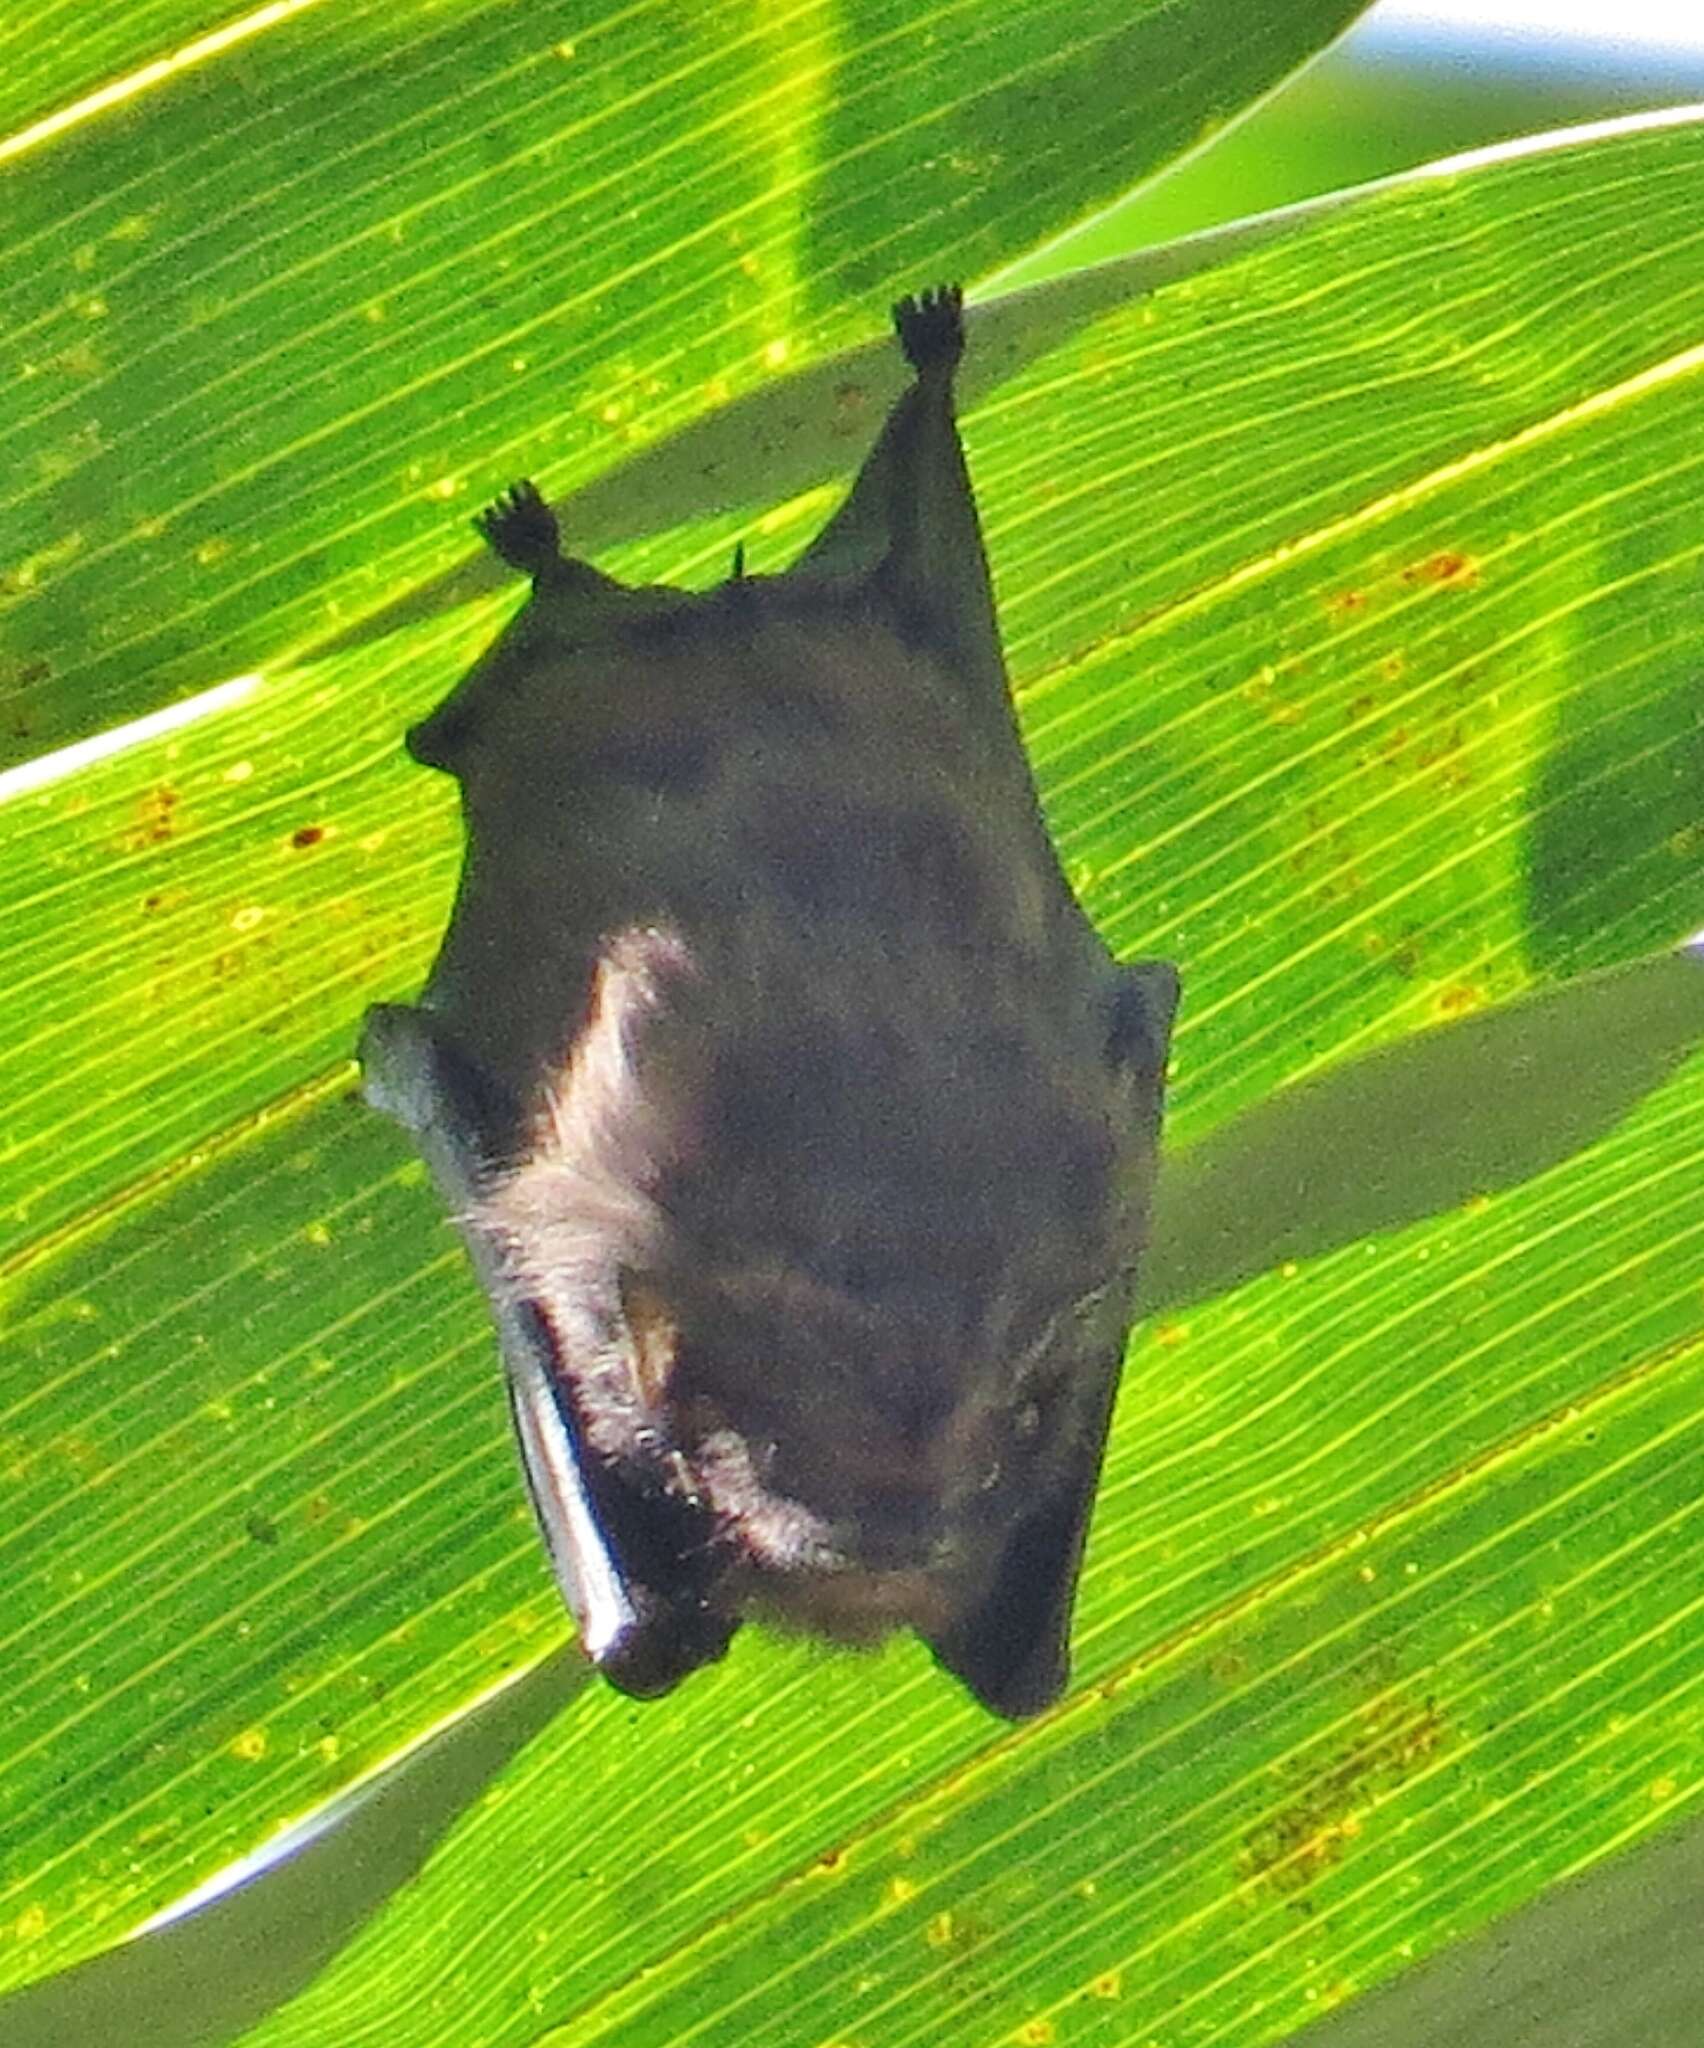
(1419, 1127)
(212, 1975)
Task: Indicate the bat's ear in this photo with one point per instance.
(1139, 1022)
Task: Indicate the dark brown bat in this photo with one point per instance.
(801, 1128)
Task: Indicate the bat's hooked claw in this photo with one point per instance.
(521, 528)
(931, 327)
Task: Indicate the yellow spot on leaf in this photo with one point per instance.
(31, 1924)
(250, 1745)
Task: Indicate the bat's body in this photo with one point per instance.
(800, 1124)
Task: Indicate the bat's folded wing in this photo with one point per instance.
(633, 1561)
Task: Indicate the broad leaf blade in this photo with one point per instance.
(1386, 1623)
(1132, 763)
(295, 310)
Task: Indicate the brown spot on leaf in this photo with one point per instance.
(1448, 567)
(307, 835)
(155, 821)
(1326, 1803)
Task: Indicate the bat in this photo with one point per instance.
(801, 1128)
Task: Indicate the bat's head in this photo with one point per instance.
(854, 1269)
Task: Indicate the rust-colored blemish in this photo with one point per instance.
(1448, 567)
(1458, 998)
(1343, 603)
(1309, 1832)
(307, 835)
(155, 822)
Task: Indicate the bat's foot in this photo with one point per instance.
(931, 327)
(521, 528)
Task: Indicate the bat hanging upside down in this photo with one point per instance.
(800, 1126)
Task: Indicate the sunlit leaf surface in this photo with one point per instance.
(1387, 1621)
(279, 321)
(1353, 590)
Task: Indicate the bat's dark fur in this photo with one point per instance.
(803, 1125)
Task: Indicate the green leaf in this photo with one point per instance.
(281, 316)
(1355, 585)
(259, 1524)
(1352, 588)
